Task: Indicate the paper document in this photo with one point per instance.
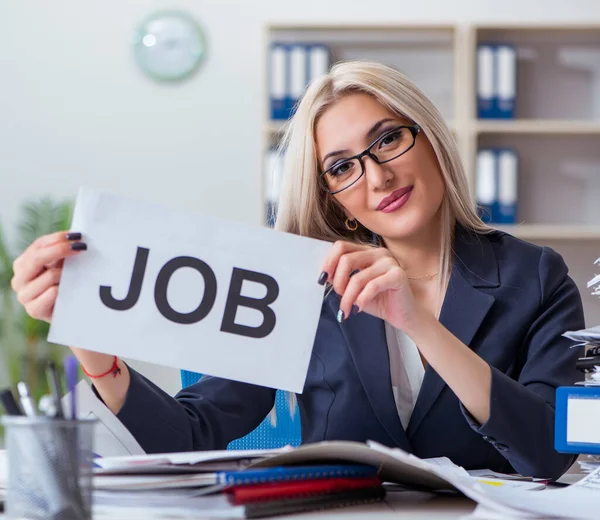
(185, 458)
(111, 438)
(590, 335)
(3, 469)
(153, 482)
(576, 502)
(196, 293)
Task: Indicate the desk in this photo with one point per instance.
(406, 505)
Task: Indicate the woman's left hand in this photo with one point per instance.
(369, 279)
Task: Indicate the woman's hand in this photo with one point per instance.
(38, 270)
(369, 279)
(37, 274)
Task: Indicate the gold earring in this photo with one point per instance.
(351, 225)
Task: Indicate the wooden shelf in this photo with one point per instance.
(552, 231)
(537, 126)
(272, 127)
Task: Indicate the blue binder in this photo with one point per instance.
(576, 420)
(496, 81)
(486, 185)
(278, 81)
(318, 62)
(486, 80)
(505, 81)
(298, 61)
(505, 210)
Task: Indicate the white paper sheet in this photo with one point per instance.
(576, 502)
(3, 469)
(111, 438)
(114, 229)
(191, 457)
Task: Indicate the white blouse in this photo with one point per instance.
(406, 370)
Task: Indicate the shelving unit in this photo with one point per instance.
(556, 129)
(538, 126)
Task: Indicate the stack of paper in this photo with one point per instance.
(183, 483)
(589, 338)
(576, 502)
(594, 283)
(589, 464)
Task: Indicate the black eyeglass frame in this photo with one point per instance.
(414, 130)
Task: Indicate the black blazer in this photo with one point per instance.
(509, 300)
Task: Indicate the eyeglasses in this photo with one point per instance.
(385, 148)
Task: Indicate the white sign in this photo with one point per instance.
(195, 293)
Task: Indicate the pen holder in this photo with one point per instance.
(50, 468)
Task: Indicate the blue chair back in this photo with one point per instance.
(265, 435)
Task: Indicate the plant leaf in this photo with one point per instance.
(6, 261)
(42, 217)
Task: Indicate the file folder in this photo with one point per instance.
(485, 81)
(506, 84)
(298, 76)
(278, 81)
(577, 420)
(486, 185)
(319, 61)
(507, 167)
(273, 178)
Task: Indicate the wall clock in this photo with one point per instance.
(169, 46)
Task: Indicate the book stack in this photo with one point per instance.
(261, 483)
(281, 490)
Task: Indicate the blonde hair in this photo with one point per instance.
(306, 209)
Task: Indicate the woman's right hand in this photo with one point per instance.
(37, 272)
(36, 276)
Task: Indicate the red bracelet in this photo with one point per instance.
(114, 370)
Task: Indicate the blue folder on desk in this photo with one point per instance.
(265, 436)
(577, 420)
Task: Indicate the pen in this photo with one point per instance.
(55, 389)
(71, 371)
(26, 401)
(9, 403)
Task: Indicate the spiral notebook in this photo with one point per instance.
(301, 488)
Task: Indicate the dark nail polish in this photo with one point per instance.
(79, 246)
(73, 236)
(356, 271)
(355, 309)
(322, 278)
(340, 316)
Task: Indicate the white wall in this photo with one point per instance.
(74, 109)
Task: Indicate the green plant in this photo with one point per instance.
(24, 350)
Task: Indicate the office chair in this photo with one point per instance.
(265, 436)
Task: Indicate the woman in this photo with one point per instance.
(440, 335)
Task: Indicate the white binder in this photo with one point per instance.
(507, 186)
(298, 74)
(485, 81)
(486, 185)
(506, 81)
(278, 81)
(273, 179)
(319, 62)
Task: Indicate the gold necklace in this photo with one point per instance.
(424, 276)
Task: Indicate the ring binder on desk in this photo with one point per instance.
(577, 421)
